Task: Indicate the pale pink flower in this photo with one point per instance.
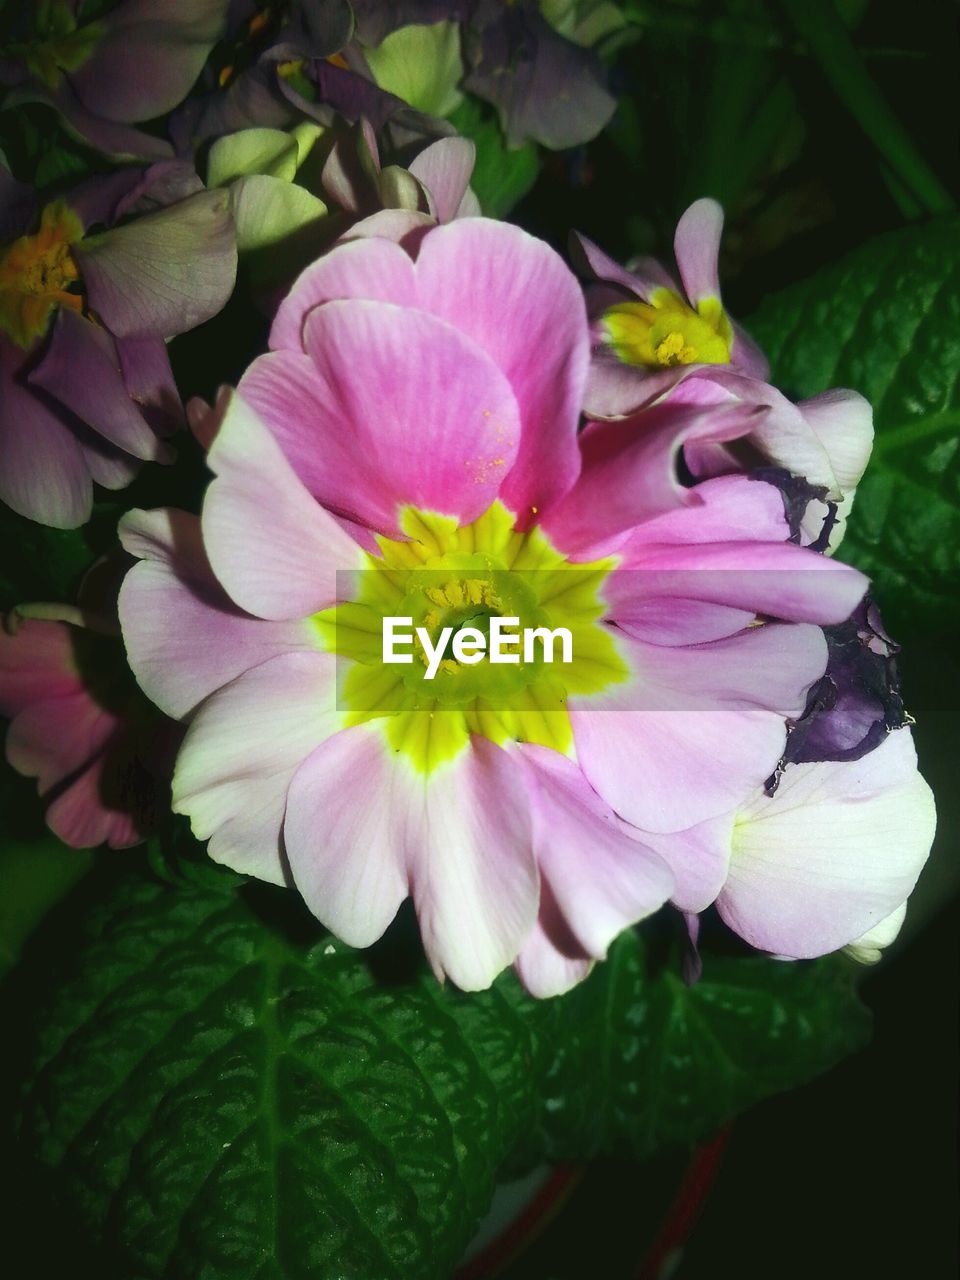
(422, 413)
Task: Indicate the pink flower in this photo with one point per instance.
(654, 340)
(82, 729)
(409, 446)
(648, 330)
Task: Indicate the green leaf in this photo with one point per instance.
(885, 321)
(501, 176)
(819, 24)
(212, 1087)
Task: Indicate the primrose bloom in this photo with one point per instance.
(80, 726)
(409, 449)
(648, 330)
(86, 391)
(133, 62)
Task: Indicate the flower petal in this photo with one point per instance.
(517, 299)
(392, 408)
(602, 877)
(444, 168)
(43, 473)
(272, 547)
(241, 752)
(341, 834)
(696, 729)
(81, 369)
(629, 473)
(471, 868)
(696, 245)
(831, 854)
(149, 55)
(164, 273)
(184, 636)
(375, 269)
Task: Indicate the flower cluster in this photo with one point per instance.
(413, 441)
(449, 427)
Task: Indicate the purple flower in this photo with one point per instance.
(85, 383)
(136, 62)
(544, 86)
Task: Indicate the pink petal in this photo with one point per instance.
(272, 547)
(698, 860)
(629, 473)
(374, 269)
(517, 299)
(602, 877)
(649, 276)
(241, 752)
(36, 662)
(551, 961)
(429, 422)
(342, 834)
(471, 868)
(696, 729)
(696, 245)
(83, 819)
(834, 852)
(184, 636)
(780, 580)
(53, 738)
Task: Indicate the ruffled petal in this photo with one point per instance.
(602, 876)
(429, 422)
(241, 752)
(831, 854)
(516, 298)
(696, 729)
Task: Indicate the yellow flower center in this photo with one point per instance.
(38, 273)
(446, 579)
(667, 331)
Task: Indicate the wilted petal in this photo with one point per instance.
(148, 57)
(164, 273)
(43, 473)
(81, 369)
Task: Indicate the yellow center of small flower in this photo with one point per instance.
(667, 331)
(445, 579)
(38, 273)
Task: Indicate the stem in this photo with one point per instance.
(820, 27)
